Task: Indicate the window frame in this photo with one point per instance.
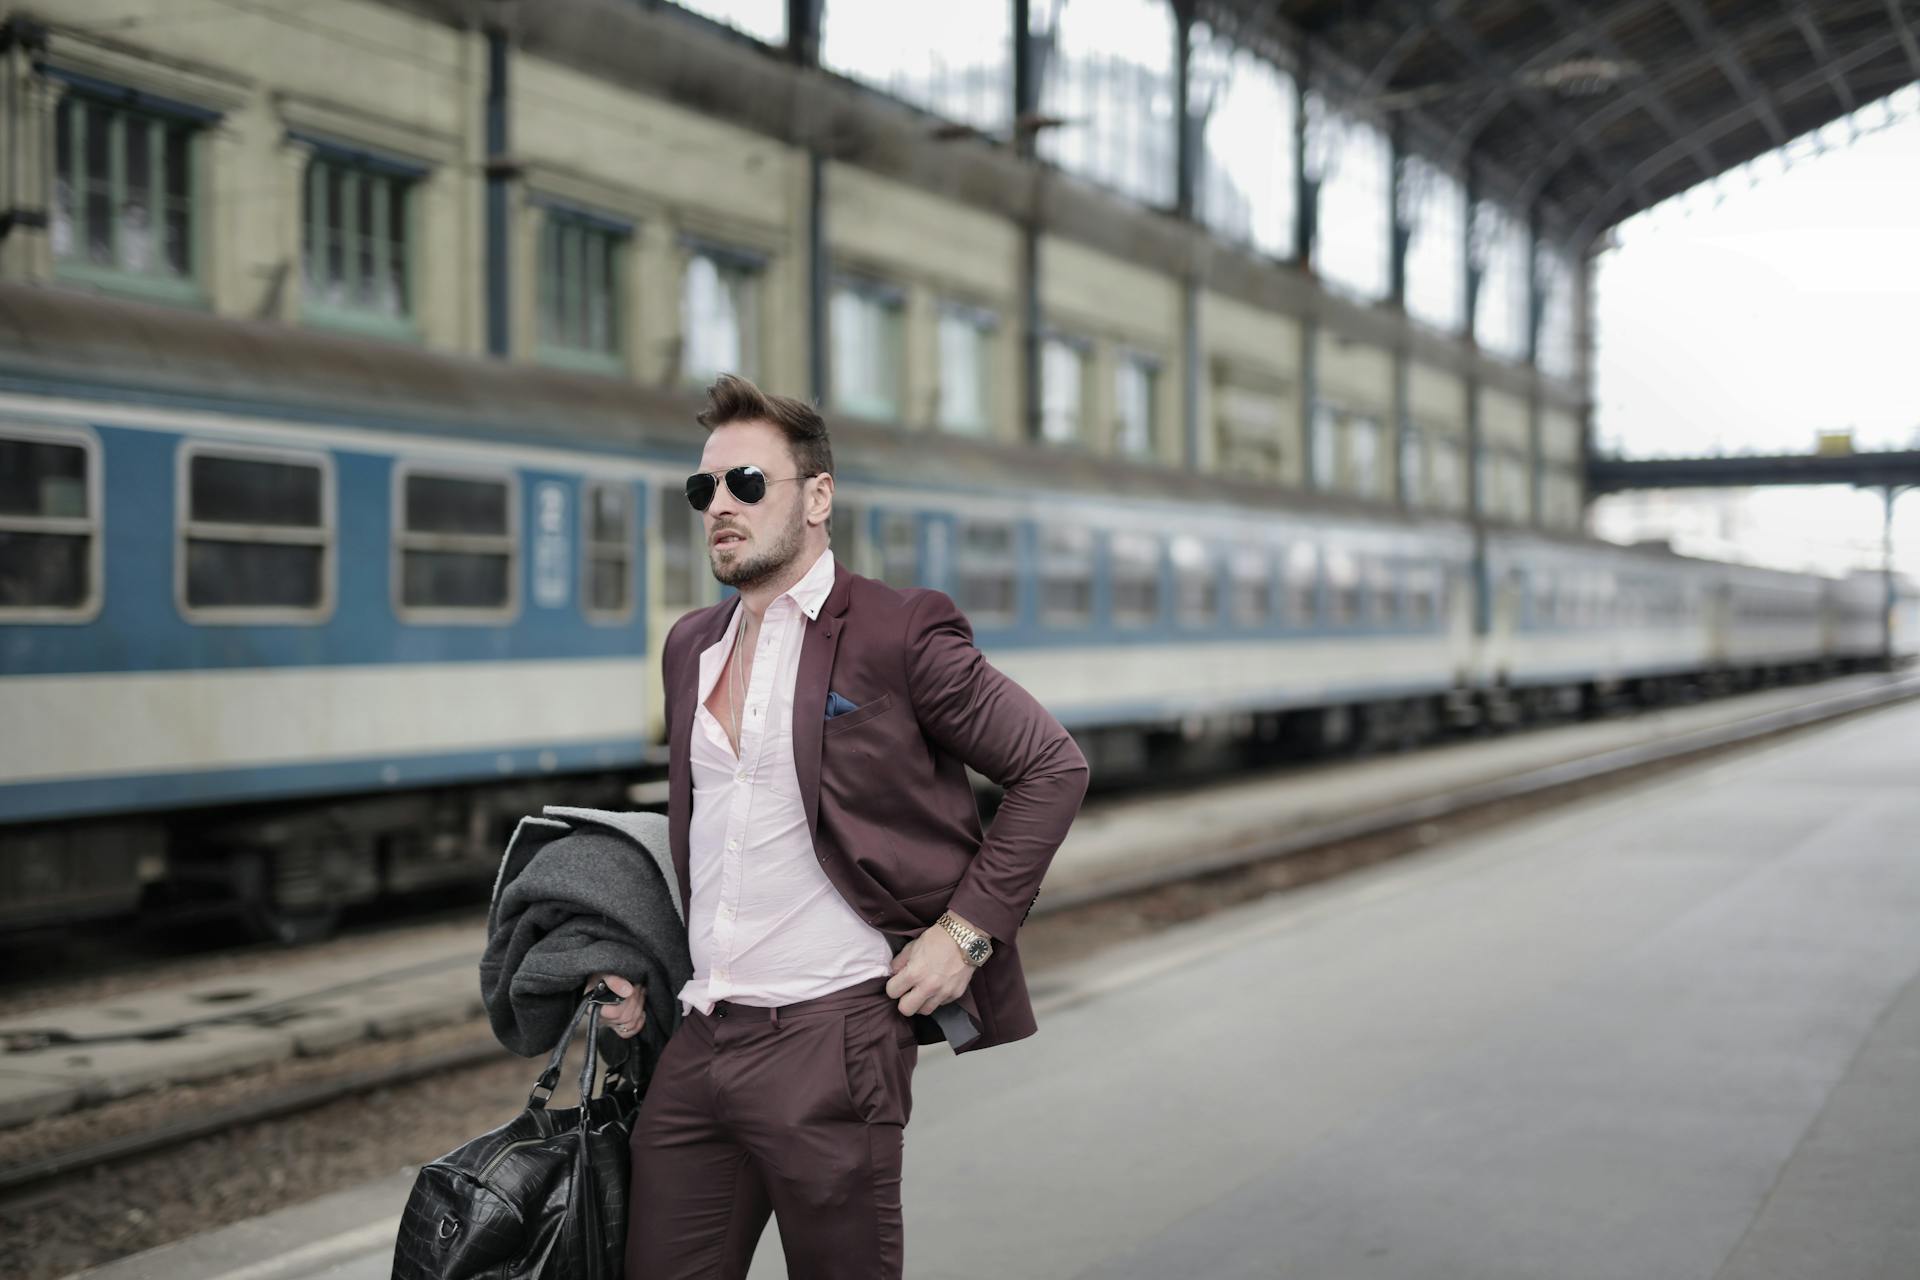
(887, 522)
(186, 529)
(971, 563)
(890, 301)
(1150, 369)
(403, 541)
(590, 547)
(1188, 553)
(616, 235)
(158, 113)
(1116, 538)
(91, 526)
(361, 163)
(1050, 560)
(1082, 351)
(985, 323)
(1239, 560)
(727, 259)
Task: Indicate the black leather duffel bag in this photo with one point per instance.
(541, 1198)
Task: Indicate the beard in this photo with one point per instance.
(750, 570)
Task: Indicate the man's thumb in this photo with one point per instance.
(618, 985)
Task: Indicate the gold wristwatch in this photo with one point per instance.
(975, 947)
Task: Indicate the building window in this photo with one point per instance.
(1413, 474)
(1135, 560)
(1252, 600)
(1244, 106)
(1434, 207)
(720, 314)
(609, 547)
(1196, 583)
(49, 527)
(1109, 69)
(1137, 384)
(1066, 576)
(1449, 483)
(358, 246)
(1363, 456)
(1303, 583)
(900, 549)
(764, 20)
(1325, 440)
(987, 568)
(256, 535)
(867, 349)
(1063, 375)
(965, 346)
(955, 61)
(580, 263)
(123, 209)
(458, 544)
(1354, 164)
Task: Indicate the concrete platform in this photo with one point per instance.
(1673, 1032)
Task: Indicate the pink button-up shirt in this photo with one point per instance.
(765, 925)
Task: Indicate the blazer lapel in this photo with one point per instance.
(817, 650)
(680, 744)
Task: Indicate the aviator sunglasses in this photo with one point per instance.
(749, 484)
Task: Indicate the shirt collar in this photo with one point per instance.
(811, 592)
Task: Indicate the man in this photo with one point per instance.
(820, 725)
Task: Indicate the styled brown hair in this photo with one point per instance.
(732, 398)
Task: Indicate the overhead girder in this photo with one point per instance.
(1726, 54)
(1720, 47)
(1907, 39)
(1817, 45)
(1809, 82)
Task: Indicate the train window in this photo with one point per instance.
(900, 549)
(458, 544)
(1303, 572)
(683, 566)
(609, 550)
(1252, 571)
(1196, 583)
(1066, 576)
(987, 568)
(49, 527)
(1383, 601)
(1421, 583)
(1135, 558)
(1343, 589)
(256, 537)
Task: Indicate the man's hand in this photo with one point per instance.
(929, 972)
(627, 1017)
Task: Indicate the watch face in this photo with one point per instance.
(978, 950)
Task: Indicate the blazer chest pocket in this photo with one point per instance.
(859, 716)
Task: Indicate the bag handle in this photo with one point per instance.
(550, 1078)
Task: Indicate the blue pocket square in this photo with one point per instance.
(838, 706)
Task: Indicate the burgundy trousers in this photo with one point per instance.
(798, 1111)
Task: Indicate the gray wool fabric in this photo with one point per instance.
(581, 892)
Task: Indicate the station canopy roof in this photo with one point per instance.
(1601, 108)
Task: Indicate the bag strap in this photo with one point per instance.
(550, 1078)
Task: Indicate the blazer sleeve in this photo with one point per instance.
(977, 714)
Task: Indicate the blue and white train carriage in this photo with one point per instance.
(290, 619)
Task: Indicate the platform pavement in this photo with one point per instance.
(1669, 1032)
(412, 981)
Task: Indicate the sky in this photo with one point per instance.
(1782, 300)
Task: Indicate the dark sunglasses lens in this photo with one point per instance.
(749, 484)
(699, 491)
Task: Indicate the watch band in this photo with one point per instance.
(972, 942)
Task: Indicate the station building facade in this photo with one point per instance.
(643, 191)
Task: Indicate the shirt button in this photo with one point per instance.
(739, 777)
(733, 844)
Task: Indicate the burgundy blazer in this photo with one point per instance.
(885, 785)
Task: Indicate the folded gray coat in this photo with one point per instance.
(580, 892)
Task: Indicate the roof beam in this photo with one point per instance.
(1822, 56)
(1810, 82)
(1713, 50)
(1505, 77)
(1907, 40)
(1655, 98)
(1727, 56)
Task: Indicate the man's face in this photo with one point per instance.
(748, 543)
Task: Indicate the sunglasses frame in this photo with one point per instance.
(721, 477)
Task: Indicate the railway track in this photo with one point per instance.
(1066, 924)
